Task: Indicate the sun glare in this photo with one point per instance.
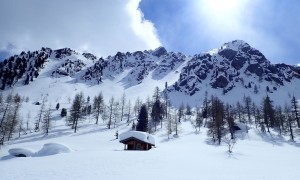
(221, 10)
(222, 5)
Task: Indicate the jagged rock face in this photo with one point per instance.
(255, 69)
(62, 53)
(89, 56)
(26, 67)
(69, 68)
(220, 82)
(138, 64)
(227, 66)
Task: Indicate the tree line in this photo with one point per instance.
(218, 117)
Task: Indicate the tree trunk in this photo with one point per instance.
(290, 128)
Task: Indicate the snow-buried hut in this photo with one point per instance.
(136, 140)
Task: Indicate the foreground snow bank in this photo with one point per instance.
(53, 148)
(20, 152)
(47, 150)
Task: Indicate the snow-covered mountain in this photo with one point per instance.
(234, 67)
(234, 63)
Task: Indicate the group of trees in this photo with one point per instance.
(44, 116)
(150, 114)
(118, 110)
(12, 123)
(9, 116)
(221, 117)
(156, 110)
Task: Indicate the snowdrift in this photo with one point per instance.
(47, 150)
(21, 152)
(52, 149)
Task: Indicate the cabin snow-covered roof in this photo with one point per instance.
(142, 136)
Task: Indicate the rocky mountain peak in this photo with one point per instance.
(160, 51)
(235, 45)
(235, 63)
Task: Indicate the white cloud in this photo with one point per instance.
(225, 20)
(102, 27)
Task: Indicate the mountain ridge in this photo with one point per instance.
(235, 65)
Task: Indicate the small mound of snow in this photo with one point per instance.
(53, 148)
(20, 152)
(242, 126)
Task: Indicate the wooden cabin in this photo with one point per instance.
(136, 140)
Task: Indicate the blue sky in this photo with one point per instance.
(189, 26)
(193, 26)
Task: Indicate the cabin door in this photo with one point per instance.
(138, 146)
(130, 147)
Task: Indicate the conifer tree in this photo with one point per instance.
(288, 115)
(57, 106)
(63, 112)
(116, 111)
(13, 119)
(230, 120)
(199, 120)
(46, 123)
(8, 102)
(123, 101)
(253, 110)
(156, 95)
(279, 119)
(76, 111)
(110, 109)
(180, 112)
(128, 110)
(247, 105)
(295, 111)
(268, 113)
(40, 114)
(260, 122)
(104, 114)
(98, 106)
(188, 110)
(239, 110)
(157, 113)
(255, 89)
(142, 124)
(216, 128)
(176, 123)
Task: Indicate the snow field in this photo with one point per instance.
(97, 154)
